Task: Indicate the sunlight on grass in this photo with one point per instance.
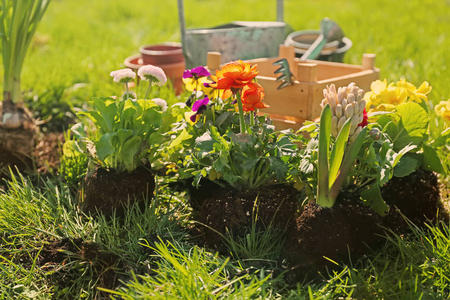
(149, 252)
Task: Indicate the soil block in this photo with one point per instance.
(221, 209)
(349, 229)
(105, 191)
(417, 196)
(16, 148)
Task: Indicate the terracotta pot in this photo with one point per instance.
(162, 54)
(174, 71)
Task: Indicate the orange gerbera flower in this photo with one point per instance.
(252, 95)
(235, 74)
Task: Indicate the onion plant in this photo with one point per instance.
(18, 22)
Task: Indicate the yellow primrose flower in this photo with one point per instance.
(415, 94)
(384, 96)
(443, 111)
(372, 98)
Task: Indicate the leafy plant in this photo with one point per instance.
(409, 125)
(73, 163)
(130, 133)
(334, 168)
(362, 163)
(18, 23)
(243, 160)
(225, 140)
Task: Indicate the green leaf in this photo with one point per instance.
(129, 152)
(250, 163)
(278, 166)
(323, 189)
(406, 166)
(107, 110)
(180, 139)
(412, 128)
(372, 196)
(441, 140)
(348, 162)
(124, 135)
(338, 151)
(105, 145)
(222, 118)
(431, 160)
(78, 131)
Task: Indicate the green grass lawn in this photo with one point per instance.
(80, 42)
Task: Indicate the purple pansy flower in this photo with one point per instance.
(199, 107)
(196, 72)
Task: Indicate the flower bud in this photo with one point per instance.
(348, 110)
(375, 134)
(338, 112)
(341, 123)
(334, 126)
(351, 98)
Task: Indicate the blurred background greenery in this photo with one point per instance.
(79, 42)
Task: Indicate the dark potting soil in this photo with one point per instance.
(417, 196)
(107, 190)
(54, 256)
(227, 209)
(347, 227)
(349, 230)
(16, 149)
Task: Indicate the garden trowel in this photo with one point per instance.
(329, 31)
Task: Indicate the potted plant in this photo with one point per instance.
(403, 112)
(236, 161)
(18, 23)
(126, 143)
(357, 158)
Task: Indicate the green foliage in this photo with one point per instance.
(409, 126)
(333, 168)
(192, 273)
(243, 160)
(52, 108)
(130, 132)
(364, 165)
(18, 23)
(73, 163)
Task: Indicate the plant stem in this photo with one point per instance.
(148, 88)
(241, 112)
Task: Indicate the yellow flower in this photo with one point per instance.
(443, 111)
(415, 94)
(384, 96)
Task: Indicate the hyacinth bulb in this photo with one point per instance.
(347, 102)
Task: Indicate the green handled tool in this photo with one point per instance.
(329, 31)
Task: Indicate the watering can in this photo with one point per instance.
(236, 40)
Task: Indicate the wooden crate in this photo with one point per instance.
(292, 105)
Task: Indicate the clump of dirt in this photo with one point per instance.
(349, 229)
(47, 153)
(235, 211)
(54, 256)
(105, 191)
(16, 149)
(333, 233)
(417, 196)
